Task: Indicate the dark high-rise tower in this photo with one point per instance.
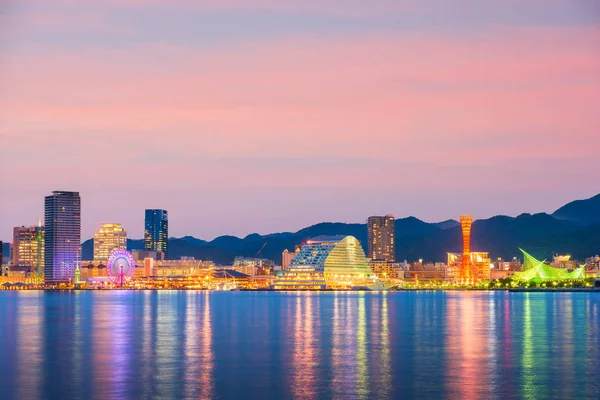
(62, 241)
(382, 246)
(156, 232)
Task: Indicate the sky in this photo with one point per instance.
(272, 115)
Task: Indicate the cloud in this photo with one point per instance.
(282, 93)
(321, 116)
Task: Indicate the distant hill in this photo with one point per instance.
(540, 234)
(582, 212)
(451, 223)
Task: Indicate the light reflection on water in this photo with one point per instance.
(339, 345)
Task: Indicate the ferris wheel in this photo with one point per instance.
(120, 267)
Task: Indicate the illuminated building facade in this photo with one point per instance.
(156, 232)
(564, 262)
(62, 240)
(386, 270)
(28, 251)
(108, 239)
(512, 265)
(381, 234)
(479, 262)
(536, 270)
(593, 263)
(326, 261)
(251, 266)
(466, 272)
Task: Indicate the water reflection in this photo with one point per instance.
(299, 345)
(467, 353)
(204, 350)
(529, 387)
(385, 373)
(306, 348)
(29, 342)
(346, 351)
(104, 378)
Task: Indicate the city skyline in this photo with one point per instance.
(141, 235)
(234, 115)
(276, 199)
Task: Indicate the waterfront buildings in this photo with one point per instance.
(419, 272)
(156, 232)
(563, 262)
(386, 270)
(287, 257)
(150, 267)
(593, 263)
(108, 239)
(250, 266)
(62, 241)
(479, 263)
(178, 267)
(512, 265)
(326, 261)
(141, 255)
(28, 252)
(381, 236)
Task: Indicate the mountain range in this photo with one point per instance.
(573, 229)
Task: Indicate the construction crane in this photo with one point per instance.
(261, 249)
(258, 253)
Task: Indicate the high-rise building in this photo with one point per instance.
(108, 239)
(62, 246)
(156, 232)
(28, 253)
(287, 257)
(466, 271)
(382, 246)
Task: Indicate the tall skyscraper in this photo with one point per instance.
(466, 271)
(382, 246)
(108, 239)
(62, 247)
(156, 233)
(28, 253)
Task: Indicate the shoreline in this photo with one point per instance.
(512, 290)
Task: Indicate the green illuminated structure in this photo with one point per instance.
(536, 270)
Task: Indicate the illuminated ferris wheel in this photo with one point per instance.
(120, 267)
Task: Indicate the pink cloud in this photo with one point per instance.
(378, 111)
(505, 82)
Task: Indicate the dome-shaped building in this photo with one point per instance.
(326, 261)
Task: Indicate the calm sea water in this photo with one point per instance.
(243, 345)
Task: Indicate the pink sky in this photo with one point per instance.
(326, 118)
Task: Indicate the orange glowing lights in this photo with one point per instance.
(466, 273)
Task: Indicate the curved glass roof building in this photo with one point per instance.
(537, 270)
(326, 260)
